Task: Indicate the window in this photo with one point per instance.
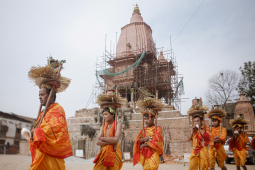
(17, 130)
(245, 127)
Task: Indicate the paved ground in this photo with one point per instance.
(21, 162)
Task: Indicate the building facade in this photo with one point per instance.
(10, 131)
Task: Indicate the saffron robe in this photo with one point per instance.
(51, 143)
(199, 157)
(149, 156)
(253, 143)
(217, 150)
(238, 146)
(109, 158)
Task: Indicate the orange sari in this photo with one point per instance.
(149, 156)
(51, 143)
(199, 157)
(217, 150)
(109, 158)
(238, 146)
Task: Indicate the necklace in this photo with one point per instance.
(108, 127)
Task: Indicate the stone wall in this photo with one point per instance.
(175, 134)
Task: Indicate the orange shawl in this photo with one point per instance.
(52, 137)
(197, 139)
(111, 152)
(156, 144)
(239, 142)
(216, 132)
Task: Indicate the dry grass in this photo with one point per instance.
(239, 121)
(150, 104)
(217, 112)
(112, 97)
(40, 71)
(197, 109)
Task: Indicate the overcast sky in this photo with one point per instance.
(219, 36)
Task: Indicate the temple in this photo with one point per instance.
(133, 74)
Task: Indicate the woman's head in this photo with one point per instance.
(197, 119)
(216, 122)
(148, 120)
(108, 116)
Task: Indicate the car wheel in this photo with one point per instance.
(228, 161)
(253, 159)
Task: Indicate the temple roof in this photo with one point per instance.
(136, 17)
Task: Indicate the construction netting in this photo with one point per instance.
(133, 66)
(106, 72)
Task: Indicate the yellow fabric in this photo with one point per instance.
(117, 163)
(47, 162)
(218, 118)
(51, 143)
(201, 160)
(238, 146)
(218, 154)
(152, 163)
(240, 157)
(217, 150)
(239, 125)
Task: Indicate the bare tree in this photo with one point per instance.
(222, 87)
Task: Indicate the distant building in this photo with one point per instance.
(244, 108)
(10, 131)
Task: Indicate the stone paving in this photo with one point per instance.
(21, 162)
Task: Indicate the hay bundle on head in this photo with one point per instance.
(197, 110)
(149, 103)
(44, 76)
(107, 99)
(150, 106)
(239, 120)
(217, 112)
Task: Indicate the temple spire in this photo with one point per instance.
(136, 9)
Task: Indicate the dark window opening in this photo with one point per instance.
(17, 130)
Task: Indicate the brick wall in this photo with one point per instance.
(176, 132)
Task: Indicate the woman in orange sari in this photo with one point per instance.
(201, 137)
(148, 144)
(238, 142)
(219, 134)
(149, 147)
(109, 158)
(50, 143)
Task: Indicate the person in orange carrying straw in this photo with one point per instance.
(49, 139)
(109, 158)
(219, 134)
(148, 144)
(201, 137)
(238, 142)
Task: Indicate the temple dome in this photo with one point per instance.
(136, 17)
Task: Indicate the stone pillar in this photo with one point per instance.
(132, 95)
